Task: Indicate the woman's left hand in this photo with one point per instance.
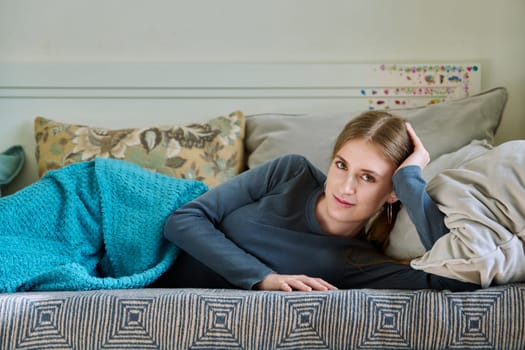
(420, 155)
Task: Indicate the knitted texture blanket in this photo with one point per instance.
(91, 225)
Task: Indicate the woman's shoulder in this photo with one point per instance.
(297, 163)
(295, 159)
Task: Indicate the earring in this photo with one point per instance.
(389, 213)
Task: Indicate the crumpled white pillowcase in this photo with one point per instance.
(485, 215)
(404, 240)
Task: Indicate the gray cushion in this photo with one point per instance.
(443, 127)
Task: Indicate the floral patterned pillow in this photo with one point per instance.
(211, 152)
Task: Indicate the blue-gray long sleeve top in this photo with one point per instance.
(410, 189)
(263, 221)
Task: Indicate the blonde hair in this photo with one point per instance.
(389, 132)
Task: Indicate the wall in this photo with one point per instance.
(490, 32)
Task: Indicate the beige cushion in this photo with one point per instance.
(485, 213)
(211, 152)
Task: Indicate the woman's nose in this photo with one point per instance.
(350, 185)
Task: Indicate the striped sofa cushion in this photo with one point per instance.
(234, 319)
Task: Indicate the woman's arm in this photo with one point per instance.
(410, 189)
(196, 227)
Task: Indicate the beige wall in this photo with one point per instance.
(490, 32)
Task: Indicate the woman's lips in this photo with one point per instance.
(342, 202)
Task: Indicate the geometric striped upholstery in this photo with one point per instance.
(236, 319)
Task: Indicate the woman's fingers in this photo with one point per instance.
(299, 285)
(306, 283)
(290, 283)
(324, 284)
(413, 136)
(420, 155)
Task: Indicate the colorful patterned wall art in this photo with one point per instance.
(415, 85)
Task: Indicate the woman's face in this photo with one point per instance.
(359, 182)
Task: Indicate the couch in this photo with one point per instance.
(455, 132)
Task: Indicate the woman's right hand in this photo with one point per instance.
(420, 155)
(289, 283)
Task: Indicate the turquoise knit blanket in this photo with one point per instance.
(91, 225)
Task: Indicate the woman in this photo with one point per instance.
(286, 226)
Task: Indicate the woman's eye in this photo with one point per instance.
(368, 178)
(340, 165)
